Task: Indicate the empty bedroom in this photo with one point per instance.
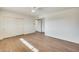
(39, 29)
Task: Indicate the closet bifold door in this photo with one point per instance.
(2, 28)
(10, 26)
(19, 26)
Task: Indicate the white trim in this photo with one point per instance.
(26, 43)
(65, 39)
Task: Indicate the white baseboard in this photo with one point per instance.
(66, 39)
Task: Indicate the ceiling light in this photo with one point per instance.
(33, 10)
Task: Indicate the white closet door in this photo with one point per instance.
(2, 28)
(14, 27)
(19, 26)
(10, 27)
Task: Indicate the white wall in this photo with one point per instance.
(29, 26)
(12, 24)
(63, 25)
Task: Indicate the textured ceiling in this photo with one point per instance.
(20, 10)
(38, 12)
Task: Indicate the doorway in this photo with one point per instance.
(40, 25)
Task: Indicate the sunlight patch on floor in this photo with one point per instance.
(26, 43)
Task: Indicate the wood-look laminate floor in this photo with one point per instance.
(45, 43)
(40, 41)
(13, 44)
